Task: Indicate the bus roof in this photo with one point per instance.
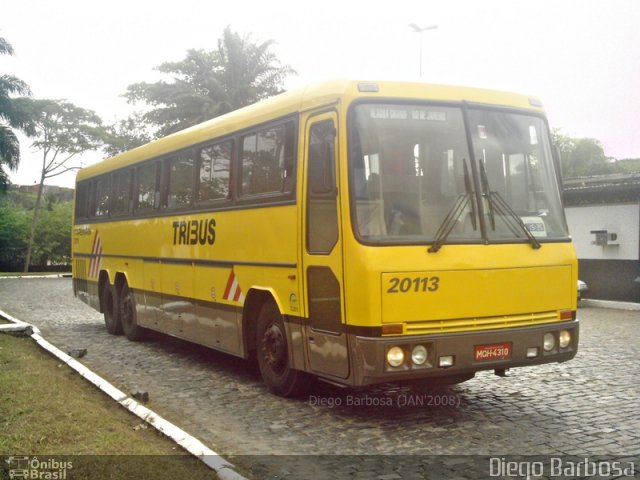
(306, 98)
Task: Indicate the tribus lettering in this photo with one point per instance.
(193, 232)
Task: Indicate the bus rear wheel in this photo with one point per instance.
(109, 302)
(132, 330)
(272, 350)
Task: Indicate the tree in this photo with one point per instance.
(126, 135)
(207, 84)
(588, 158)
(61, 131)
(52, 243)
(10, 117)
(581, 156)
(54, 235)
(628, 165)
(14, 232)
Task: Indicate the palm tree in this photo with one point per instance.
(247, 71)
(10, 118)
(207, 84)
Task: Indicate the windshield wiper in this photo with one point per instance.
(449, 222)
(469, 190)
(499, 205)
(486, 192)
(454, 214)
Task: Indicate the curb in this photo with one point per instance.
(589, 302)
(223, 469)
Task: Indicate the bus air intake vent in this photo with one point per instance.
(475, 324)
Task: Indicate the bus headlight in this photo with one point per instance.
(549, 342)
(419, 355)
(395, 356)
(564, 339)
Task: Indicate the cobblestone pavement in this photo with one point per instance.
(588, 406)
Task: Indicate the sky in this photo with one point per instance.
(580, 57)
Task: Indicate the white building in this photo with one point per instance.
(603, 213)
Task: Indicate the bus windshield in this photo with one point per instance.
(414, 180)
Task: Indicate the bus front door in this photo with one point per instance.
(322, 255)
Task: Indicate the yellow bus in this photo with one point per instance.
(356, 232)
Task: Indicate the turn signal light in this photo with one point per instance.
(567, 315)
(394, 329)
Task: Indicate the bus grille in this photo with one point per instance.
(486, 323)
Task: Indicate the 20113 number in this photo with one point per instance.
(417, 284)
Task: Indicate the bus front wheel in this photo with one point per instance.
(272, 350)
(110, 309)
(128, 316)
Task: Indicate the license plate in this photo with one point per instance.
(497, 351)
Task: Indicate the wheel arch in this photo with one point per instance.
(256, 298)
(120, 280)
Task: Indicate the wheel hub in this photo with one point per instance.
(274, 348)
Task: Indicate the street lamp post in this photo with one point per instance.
(419, 30)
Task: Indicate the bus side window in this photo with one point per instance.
(289, 158)
(102, 187)
(214, 162)
(179, 180)
(147, 187)
(82, 201)
(121, 195)
(267, 161)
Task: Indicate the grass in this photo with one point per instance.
(46, 409)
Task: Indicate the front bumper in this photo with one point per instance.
(370, 365)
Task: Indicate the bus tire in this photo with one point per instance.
(128, 316)
(272, 350)
(109, 301)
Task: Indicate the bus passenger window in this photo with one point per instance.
(213, 180)
(102, 197)
(148, 193)
(82, 201)
(121, 193)
(180, 181)
(267, 163)
(289, 157)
